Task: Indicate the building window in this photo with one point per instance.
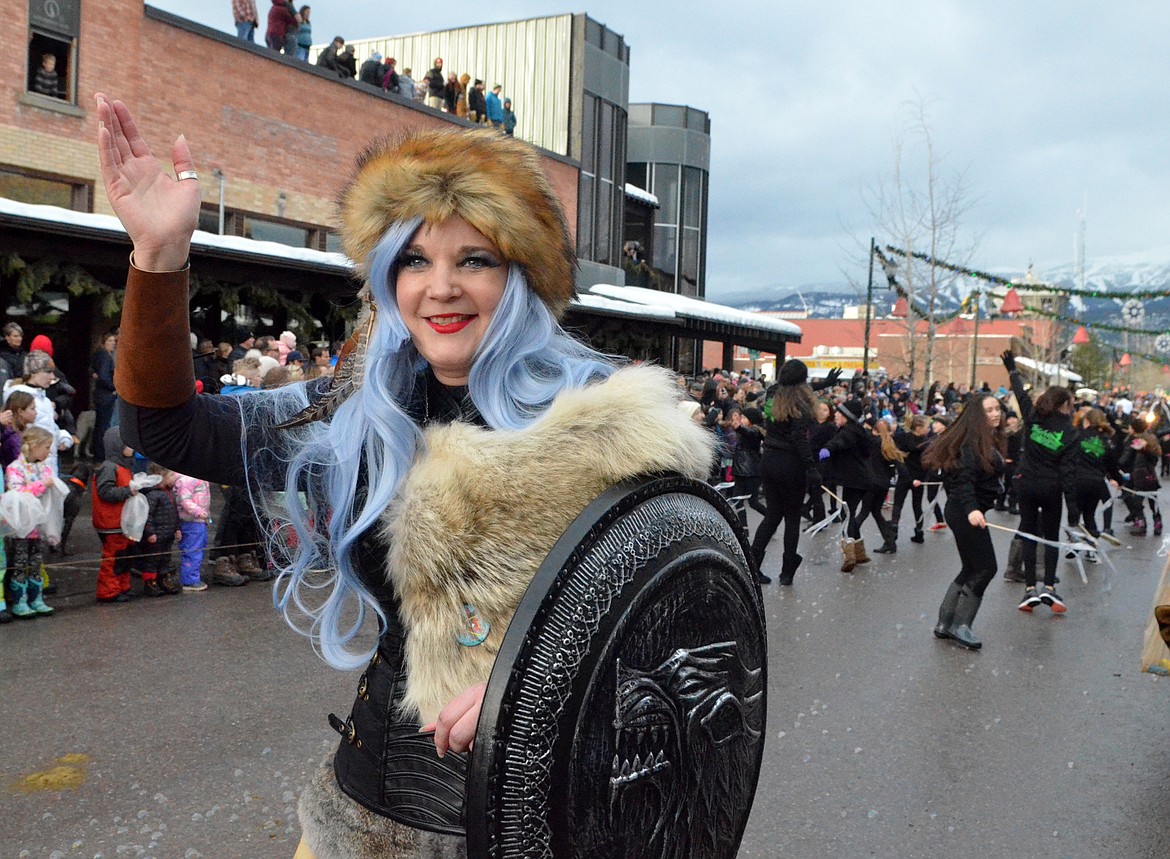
(45, 190)
(52, 48)
(264, 230)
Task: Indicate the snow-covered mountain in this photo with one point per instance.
(1117, 276)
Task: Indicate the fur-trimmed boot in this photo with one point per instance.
(966, 607)
(35, 601)
(1013, 572)
(859, 552)
(946, 611)
(790, 565)
(20, 600)
(848, 553)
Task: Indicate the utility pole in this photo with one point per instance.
(868, 310)
(975, 340)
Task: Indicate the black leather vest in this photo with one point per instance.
(383, 762)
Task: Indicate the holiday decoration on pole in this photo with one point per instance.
(901, 308)
(1011, 303)
(1081, 338)
(1125, 360)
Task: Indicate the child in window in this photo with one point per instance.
(46, 81)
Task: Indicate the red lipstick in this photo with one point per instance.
(449, 324)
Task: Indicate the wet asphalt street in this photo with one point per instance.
(185, 726)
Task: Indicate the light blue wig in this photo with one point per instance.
(337, 478)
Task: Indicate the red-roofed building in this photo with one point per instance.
(827, 343)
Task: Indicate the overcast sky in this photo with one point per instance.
(1041, 104)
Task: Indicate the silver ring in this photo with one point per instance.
(188, 174)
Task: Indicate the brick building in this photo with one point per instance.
(277, 137)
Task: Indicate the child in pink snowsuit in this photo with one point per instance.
(32, 474)
(194, 499)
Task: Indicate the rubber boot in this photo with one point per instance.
(966, 607)
(20, 596)
(35, 601)
(788, 570)
(848, 554)
(1013, 572)
(889, 539)
(859, 552)
(946, 611)
(1139, 528)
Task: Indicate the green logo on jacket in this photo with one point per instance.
(1053, 441)
(1093, 446)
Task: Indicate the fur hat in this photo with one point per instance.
(793, 372)
(493, 182)
(37, 362)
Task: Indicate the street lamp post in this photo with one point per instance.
(868, 310)
(975, 341)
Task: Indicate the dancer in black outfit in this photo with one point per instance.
(911, 440)
(1094, 462)
(848, 453)
(787, 458)
(970, 455)
(884, 458)
(1045, 474)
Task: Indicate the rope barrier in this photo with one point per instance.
(88, 563)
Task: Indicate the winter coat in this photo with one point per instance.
(10, 441)
(163, 519)
(509, 120)
(476, 103)
(913, 446)
(346, 65)
(881, 470)
(1047, 443)
(194, 499)
(746, 460)
(30, 477)
(494, 107)
(849, 456)
(1142, 468)
(111, 484)
(969, 486)
(327, 59)
(1094, 458)
(436, 83)
(371, 74)
(281, 20)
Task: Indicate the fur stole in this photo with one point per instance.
(480, 510)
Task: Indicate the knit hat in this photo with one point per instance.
(754, 415)
(41, 343)
(493, 182)
(376, 57)
(852, 409)
(793, 372)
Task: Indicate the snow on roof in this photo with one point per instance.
(694, 308)
(626, 308)
(111, 225)
(641, 195)
(1057, 370)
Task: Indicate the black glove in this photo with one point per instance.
(832, 376)
(1009, 360)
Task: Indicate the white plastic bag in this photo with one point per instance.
(137, 508)
(21, 512)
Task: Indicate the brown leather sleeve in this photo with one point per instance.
(154, 368)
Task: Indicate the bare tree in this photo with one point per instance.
(920, 208)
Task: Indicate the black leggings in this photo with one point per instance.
(1089, 495)
(784, 481)
(749, 486)
(904, 487)
(1040, 506)
(861, 504)
(976, 553)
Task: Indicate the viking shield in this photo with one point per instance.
(624, 716)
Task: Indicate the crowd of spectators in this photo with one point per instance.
(51, 459)
(289, 31)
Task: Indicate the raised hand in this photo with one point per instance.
(1009, 360)
(159, 213)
